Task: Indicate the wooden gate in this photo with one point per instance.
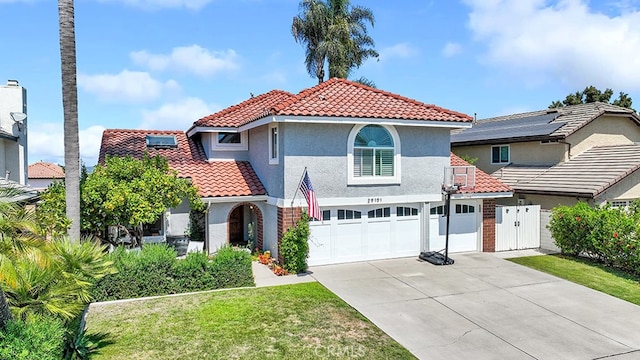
(517, 227)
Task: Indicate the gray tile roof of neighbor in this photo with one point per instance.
(547, 124)
(586, 175)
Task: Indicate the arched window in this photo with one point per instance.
(374, 154)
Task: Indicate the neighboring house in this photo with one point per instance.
(376, 160)
(42, 174)
(553, 157)
(13, 133)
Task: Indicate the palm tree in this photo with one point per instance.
(70, 105)
(18, 239)
(309, 28)
(335, 32)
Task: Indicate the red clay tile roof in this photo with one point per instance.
(332, 98)
(213, 179)
(485, 183)
(245, 112)
(343, 98)
(45, 170)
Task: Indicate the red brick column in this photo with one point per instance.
(489, 225)
(287, 217)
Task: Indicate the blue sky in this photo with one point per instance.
(162, 64)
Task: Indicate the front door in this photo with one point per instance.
(236, 235)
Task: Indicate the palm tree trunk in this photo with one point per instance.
(70, 105)
(5, 315)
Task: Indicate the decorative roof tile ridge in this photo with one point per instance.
(242, 104)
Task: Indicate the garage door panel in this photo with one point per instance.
(320, 244)
(348, 241)
(463, 227)
(407, 239)
(378, 240)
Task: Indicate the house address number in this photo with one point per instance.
(374, 200)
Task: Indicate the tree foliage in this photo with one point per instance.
(130, 192)
(592, 94)
(50, 212)
(294, 247)
(335, 32)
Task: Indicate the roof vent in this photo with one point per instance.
(12, 83)
(553, 110)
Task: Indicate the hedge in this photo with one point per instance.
(604, 233)
(38, 337)
(155, 270)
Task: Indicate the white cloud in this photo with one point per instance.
(179, 115)
(451, 49)
(160, 4)
(127, 86)
(400, 50)
(194, 59)
(564, 41)
(46, 142)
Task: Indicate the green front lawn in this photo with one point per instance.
(588, 273)
(302, 321)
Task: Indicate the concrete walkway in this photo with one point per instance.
(263, 276)
(484, 307)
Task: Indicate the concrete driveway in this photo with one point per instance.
(484, 307)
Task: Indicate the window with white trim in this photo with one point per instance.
(438, 210)
(273, 144)
(500, 154)
(373, 155)
(229, 141)
(326, 215)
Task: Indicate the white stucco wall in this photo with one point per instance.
(13, 98)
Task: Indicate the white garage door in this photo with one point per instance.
(357, 233)
(463, 226)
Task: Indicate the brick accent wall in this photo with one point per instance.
(287, 217)
(489, 225)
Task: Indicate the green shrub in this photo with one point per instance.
(604, 233)
(231, 268)
(155, 270)
(294, 246)
(38, 337)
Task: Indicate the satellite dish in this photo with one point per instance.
(18, 116)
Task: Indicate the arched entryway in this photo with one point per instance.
(244, 225)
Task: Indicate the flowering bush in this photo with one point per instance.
(608, 234)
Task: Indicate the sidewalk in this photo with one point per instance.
(263, 276)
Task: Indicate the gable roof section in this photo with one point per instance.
(586, 175)
(547, 124)
(336, 98)
(343, 98)
(484, 182)
(45, 170)
(245, 112)
(213, 179)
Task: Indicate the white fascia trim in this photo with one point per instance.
(257, 123)
(358, 201)
(482, 195)
(232, 199)
(367, 121)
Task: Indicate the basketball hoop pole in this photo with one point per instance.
(447, 207)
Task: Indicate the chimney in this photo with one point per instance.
(12, 83)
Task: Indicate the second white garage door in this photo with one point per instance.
(358, 233)
(463, 226)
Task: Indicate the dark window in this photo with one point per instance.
(500, 154)
(348, 214)
(229, 138)
(438, 210)
(465, 209)
(407, 211)
(381, 212)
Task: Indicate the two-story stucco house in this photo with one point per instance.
(13, 133)
(551, 157)
(376, 161)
